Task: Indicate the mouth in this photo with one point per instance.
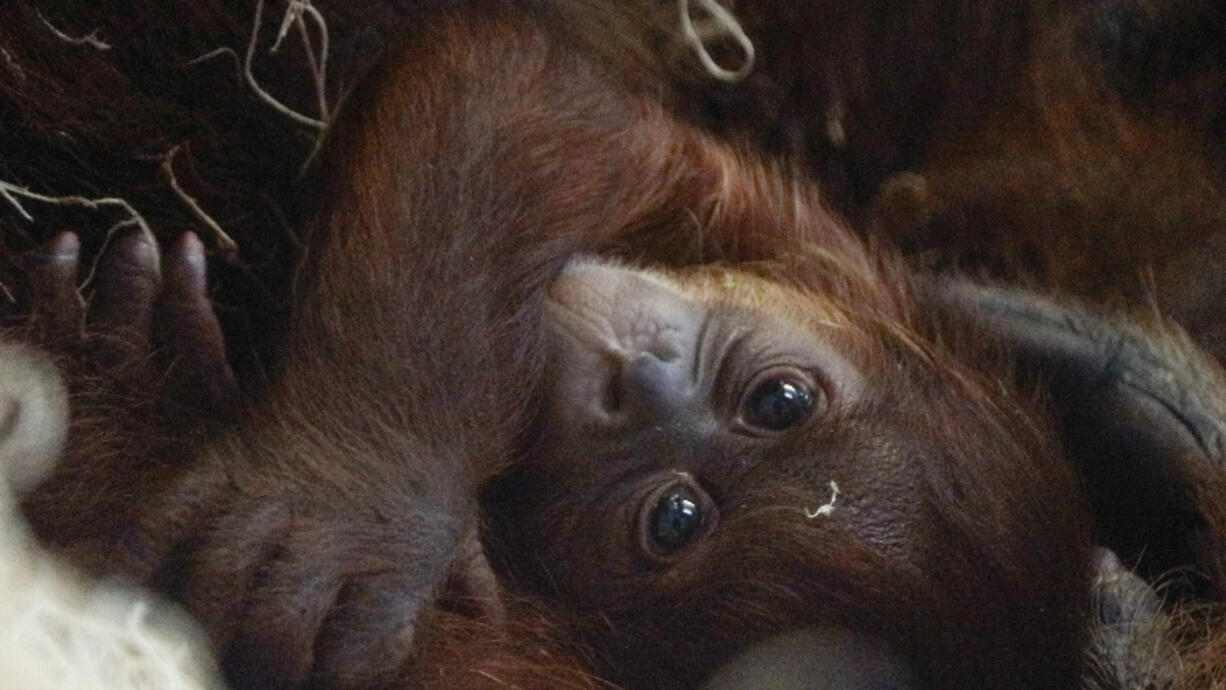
(583, 360)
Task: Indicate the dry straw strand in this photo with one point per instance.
(224, 241)
(12, 192)
(91, 39)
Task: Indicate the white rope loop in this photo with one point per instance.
(724, 24)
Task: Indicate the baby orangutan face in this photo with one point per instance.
(723, 455)
(665, 391)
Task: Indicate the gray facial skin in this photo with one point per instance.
(635, 351)
(653, 376)
(664, 386)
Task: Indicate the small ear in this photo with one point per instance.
(1142, 413)
(33, 416)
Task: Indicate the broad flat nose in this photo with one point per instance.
(652, 385)
(625, 346)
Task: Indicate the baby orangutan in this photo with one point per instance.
(675, 464)
(726, 453)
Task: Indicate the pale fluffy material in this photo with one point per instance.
(58, 631)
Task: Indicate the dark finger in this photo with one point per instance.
(56, 307)
(199, 373)
(128, 282)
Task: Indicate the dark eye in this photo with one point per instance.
(675, 520)
(778, 403)
(673, 517)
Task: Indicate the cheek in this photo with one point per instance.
(592, 547)
(854, 480)
(586, 555)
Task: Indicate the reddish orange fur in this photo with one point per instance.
(322, 454)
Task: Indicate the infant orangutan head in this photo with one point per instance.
(724, 454)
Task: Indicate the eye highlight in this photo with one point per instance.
(673, 517)
(674, 520)
(778, 403)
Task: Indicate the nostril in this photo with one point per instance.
(664, 354)
(611, 400)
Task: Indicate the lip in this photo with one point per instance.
(584, 361)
